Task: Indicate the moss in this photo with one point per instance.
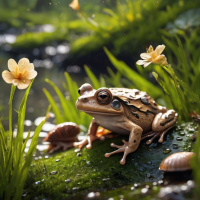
(72, 175)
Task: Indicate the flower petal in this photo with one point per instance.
(147, 63)
(7, 76)
(23, 64)
(30, 75)
(12, 64)
(23, 84)
(15, 82)
(145, 56)
(159, 49)
(150, 49)
(75, 5)
(140, 62)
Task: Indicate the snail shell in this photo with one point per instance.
(177, 162)
(64, 132)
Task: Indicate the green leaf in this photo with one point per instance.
(96, 84)
(55, 109)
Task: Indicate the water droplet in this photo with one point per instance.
(105, 179)
(179, 139)
(46, 156)
(67, 180)
(182, 133)
(148, 175)
(53, 173)
(178, 128)
(79, 154)
(166, 151)
(175, 146)
(57, 160)
(37, 183)
(88, 162)
(75, 188)
(191, 129)
(149, 162)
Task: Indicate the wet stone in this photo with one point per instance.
(133, 188)
(144, 190)
(57, 160)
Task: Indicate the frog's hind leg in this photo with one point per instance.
(162, 123)
(154, 135)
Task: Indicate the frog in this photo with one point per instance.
(124, 111)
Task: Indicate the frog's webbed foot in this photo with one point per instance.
(154, 135)
(86, 142)
(126, 148)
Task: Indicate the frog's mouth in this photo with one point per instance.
(101, 113)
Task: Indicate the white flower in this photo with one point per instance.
(20, 74)
(153, 56)
(75, 5)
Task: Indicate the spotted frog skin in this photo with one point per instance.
(124, 111)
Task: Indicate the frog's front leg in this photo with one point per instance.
(131, 145)
(162, 123)
(91, 136)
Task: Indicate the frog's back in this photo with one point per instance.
(136, 98)
(139, 107)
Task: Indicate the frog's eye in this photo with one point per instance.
(85, 88)
(103, 96)
(116, 104)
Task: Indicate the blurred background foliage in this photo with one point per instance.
(124, 26)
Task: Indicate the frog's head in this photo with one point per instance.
(99, 101)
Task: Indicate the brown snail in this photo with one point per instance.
(62, 136)
(177, 162)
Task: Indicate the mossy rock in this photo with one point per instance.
(84, 174)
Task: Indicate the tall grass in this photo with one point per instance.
(14, 164)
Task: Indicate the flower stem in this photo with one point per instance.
(10, 111)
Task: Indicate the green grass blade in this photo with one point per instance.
(55, 109)
(29, 156)
(26, 140)
(66, 107)
(72, 87)
(21, 118)
(95, 83)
